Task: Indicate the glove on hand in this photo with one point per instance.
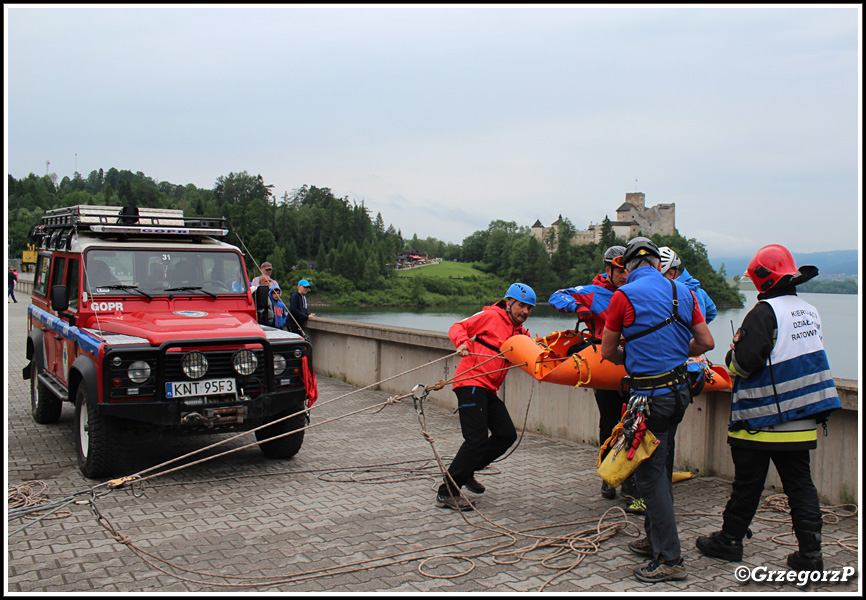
(584, 315)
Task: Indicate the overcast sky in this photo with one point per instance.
(444, 118)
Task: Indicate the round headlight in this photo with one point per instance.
(194, 365)
(279, 364)
(245, 362)
(139, 371)
(298, 353)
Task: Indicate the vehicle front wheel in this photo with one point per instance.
(286, 446)
(97, 438)
(45, 407)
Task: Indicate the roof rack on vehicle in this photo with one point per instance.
(58, 224)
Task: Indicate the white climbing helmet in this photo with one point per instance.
(669, 259)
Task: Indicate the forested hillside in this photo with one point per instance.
(349, 254)
(310, 226)
(512, 253)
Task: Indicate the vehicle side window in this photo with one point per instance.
(57, 272)
(40, 278)
(72, 283)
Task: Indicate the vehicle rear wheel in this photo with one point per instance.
(97, 438)
(287, 446)
(45, 407)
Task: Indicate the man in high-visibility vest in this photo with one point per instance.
(782, 390)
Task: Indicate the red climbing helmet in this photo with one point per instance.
(774, 264)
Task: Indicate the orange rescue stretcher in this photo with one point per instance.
(574, 358)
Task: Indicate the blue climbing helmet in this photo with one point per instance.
(522, 292)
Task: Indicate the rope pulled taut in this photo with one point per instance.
(140, 476)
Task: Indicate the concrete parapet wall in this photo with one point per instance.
(363, 354)
(24, 285)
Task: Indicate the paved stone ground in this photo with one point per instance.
(353, 512)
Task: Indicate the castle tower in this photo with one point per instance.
(636, 199)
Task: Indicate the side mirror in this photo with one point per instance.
(59, 298)
(261, 296)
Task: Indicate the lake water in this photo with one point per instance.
(840, 315)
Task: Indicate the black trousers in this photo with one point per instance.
(480, 411)
(609, 411)
(653, 476)
(750, 473)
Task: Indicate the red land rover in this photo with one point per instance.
(144, 319)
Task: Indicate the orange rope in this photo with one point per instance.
(610, 443)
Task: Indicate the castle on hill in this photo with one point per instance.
(632, 217)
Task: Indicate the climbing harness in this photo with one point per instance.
(669, 379)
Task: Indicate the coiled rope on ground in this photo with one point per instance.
(30, 500)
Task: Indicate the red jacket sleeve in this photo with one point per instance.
(618, 312)
(697, 315)
(462, 331)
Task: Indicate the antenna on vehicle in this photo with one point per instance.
(247, 250)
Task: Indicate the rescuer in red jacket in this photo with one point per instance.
(478, 338)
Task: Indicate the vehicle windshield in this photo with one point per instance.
(149, 271)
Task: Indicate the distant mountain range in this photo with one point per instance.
(834, 262)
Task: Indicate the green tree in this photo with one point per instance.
(371, 275)
(240, 188)
(498, 249)
(262, 246)
(474, 246)
(530, 265)
(290, 254)
(76, 198)
(561, 259)
(608, 237)
(379, 226)
(509, 227)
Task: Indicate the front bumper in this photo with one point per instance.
(235, 414)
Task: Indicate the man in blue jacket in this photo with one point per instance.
(661, 325)
(298, 313)
(669, 267)
(670, 264)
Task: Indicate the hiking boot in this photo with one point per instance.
(642, 546)
(607, 492)
(657, 571)
(455, 503)
(473, 486)
(637, 507)
(808, 557)
(721, 545)
(628, 489)
(806, 561)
